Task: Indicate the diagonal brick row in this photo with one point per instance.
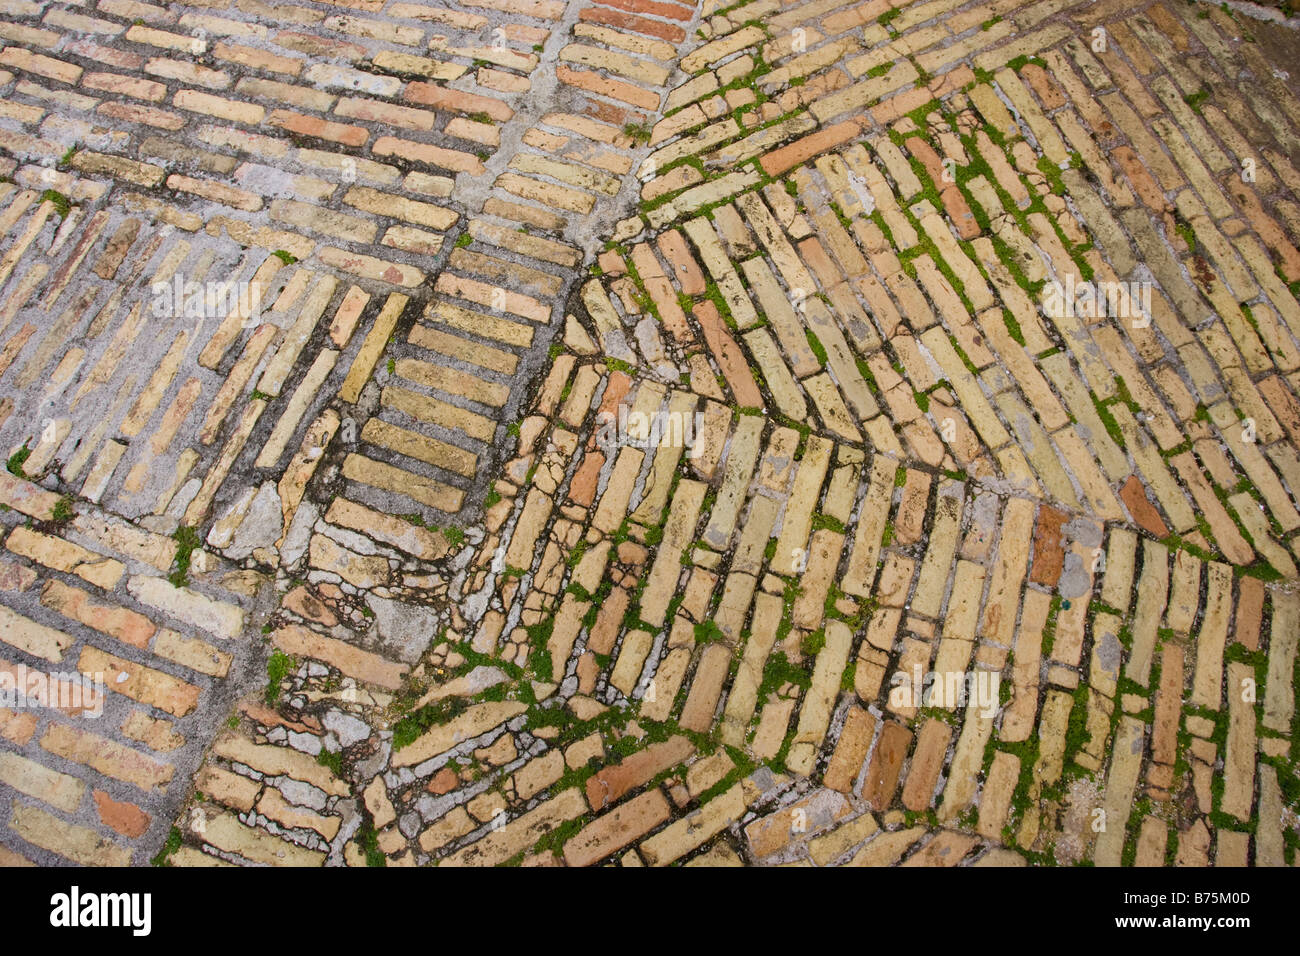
(814, 529)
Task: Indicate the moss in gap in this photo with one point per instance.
(187, 541)
(813, 643)
(1108, 421)
(285, 257)
(707, 632)
(368, 840)
(553, 840)
(15, 463)
(169, 847)
(62, 511)
(62, 205)
(779, 671)
(539, 635)
(818, 349)
(413, 725)
(332, 760)
(279, 667)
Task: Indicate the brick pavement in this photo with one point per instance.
(566, 434)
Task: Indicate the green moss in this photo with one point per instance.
(813, 643)
(818, 349)
(1194, 100)
(285, 257)
(187, 541)
(62, 205)
(779, 671)
(368, 840)
(1108, 420)
(553, 841)
(279, 667)
(539, 635)
(172, 844)
(707, 632)
(637, 132)
(15, 463)
(412, 726)
(332, 760)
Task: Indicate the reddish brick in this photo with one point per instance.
(132, 113)
(438, 156)
(735, 369)
(582, 489)
(439, 97)
(126, 818)
(126, 625)
(321, 129)
(444, 781)
(618, 828)
(607, 786)
(106, 756)
(802, 150)
(850, 750)
(1250, 611)
(1049, 550)
(927, 764)
(706, 688)
(886, 763)
(626, 21)
(305, 604)
(1134, 496)
(604, 86)
(17, 726)
(670, 11)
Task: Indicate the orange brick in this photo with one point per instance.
(197, 102)
(126, 85)
(614, 89)
(108, 757)
(257, 59)
(148, 686)
(431, 155)
(802, 150)
(321, 129)
(126, 818)
(124, 624)
(133, 113)
(618, 828)
(17, 726)
(439, 97)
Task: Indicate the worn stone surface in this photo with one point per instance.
(904, 398)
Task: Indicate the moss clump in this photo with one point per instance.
(15, 463)
(187, 540)
(278, 668)
(62, 204)
(168, 848)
